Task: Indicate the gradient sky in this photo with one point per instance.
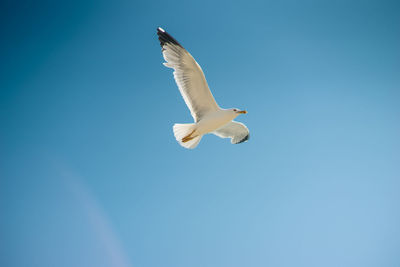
(91, 175)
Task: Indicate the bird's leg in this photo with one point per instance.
(188, 137)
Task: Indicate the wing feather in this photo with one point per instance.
(188, 76)
(237, 131)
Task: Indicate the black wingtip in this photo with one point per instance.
(164, 37)
(247, 137)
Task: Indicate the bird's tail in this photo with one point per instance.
(184, 131)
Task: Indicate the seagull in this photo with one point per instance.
(208, 116)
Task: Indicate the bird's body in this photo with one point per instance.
(208, 116)
(215, 120)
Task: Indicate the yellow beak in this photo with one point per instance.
(242, 112)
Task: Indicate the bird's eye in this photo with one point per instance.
(234, 109)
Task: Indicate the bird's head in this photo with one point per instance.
(238, 111)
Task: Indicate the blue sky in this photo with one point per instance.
(91, 174)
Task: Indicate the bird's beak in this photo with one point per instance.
(242, 112)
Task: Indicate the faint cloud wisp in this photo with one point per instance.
(98, 219)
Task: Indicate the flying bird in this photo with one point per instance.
(208, 116)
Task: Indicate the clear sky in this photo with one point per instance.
(91, 175)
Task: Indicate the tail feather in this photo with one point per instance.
(183, 130)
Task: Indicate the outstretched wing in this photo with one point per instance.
(237, 131)
(188, 76)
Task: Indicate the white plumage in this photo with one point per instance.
(207, 115)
